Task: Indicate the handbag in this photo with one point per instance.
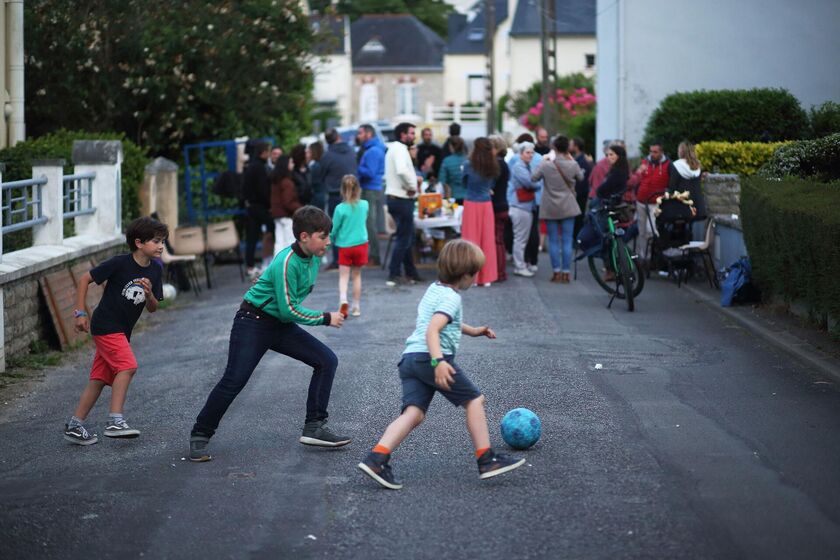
(525, 195)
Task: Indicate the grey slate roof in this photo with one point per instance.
(574, 17)
(468, 37)
(330, 31)
(408, 44)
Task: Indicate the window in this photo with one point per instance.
(476, 88)
(590, 61)
(476, 34)
(407, 99)
(373, 46)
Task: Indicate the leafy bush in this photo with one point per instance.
(59, 145)
(791, 228)
(583, 127)
(819, 159)
(766, 115)
(825, 119)
(742, 158)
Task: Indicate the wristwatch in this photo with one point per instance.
(436, 361)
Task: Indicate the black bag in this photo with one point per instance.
(302, 186)
(228, 185)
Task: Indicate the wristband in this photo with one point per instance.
(79, 313)
(436, 361)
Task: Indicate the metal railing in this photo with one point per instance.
(21, 205)
(78, 194)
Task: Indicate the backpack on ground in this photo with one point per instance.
(737, 287)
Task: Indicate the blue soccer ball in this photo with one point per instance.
(521, 428)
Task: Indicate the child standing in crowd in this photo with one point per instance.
(428, 366)
(134, 282)
(268, 320)
(350, 236)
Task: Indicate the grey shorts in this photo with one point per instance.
(418, 383)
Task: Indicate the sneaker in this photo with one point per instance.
(316, 433)
(523, 272)
(491, 464)
(376, 466)
(198, 448)
(120, 429)
(355, 312)
(79, 435)
(415, 279)
(533, 268)
(392, 281)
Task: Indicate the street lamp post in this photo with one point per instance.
(489, 32)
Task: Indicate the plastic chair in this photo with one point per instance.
(190, 241)
(173, 262)
(223, 237)
(703, 248)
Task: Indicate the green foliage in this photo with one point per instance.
(742, 158)
(818, 159)
(825, 119)
(59, 145)
(168, 73)
(762, 114)
(433, 13)
(583, 127)
(791, 228)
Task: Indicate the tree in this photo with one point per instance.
(168, 73)
(433, 13)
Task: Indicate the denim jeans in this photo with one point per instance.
(554, 226)
(250, 338)
(402, 210)
(374, 199)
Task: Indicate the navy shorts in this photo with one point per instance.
(418, 383)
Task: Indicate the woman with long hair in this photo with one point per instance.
(284, 202)
(616, 180)
(314, 153)
(684, 175)
(451, 170)
(478, 222)
(500, 204)
(559, 206)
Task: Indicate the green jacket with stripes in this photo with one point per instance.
(284, 285)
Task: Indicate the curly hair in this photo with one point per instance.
(482, 160)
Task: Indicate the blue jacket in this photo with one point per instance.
(372, 165)
(338, 161)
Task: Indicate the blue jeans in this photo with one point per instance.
(402, 210)
(554, 226)
(250, 338)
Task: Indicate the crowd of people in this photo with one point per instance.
(519, 198)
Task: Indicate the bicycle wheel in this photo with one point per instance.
(624, 277)
(597, 264)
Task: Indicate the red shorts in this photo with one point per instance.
(113, 355)
(353, 256)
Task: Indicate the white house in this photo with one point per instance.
(648, 49)
(332, 65)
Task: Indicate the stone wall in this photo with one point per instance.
(27, 317)
(723, 198)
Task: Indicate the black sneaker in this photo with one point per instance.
(198, 448)
(491, 464)
(316, 433)
(120, 429)
(79, 435)
(376, 466)
(393, 281)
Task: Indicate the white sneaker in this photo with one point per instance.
(533, 268)
(523, 272)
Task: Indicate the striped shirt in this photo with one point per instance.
(437, 299)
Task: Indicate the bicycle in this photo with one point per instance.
(616, 257)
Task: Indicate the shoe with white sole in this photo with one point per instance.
(491, 464)
(316, 433)
(120, 429)
(523, 272)
(79, 435)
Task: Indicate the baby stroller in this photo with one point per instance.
(671, 229)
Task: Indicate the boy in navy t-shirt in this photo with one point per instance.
(134, 282)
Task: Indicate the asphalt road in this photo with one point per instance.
(694, 439)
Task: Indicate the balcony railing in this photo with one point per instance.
(78, 194)
(22, 204)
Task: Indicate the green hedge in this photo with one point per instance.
(59, 145)
(791, 229)
(766, 115)
(818, 159)
(742, 158)
(825, 119)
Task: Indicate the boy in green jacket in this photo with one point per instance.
(268, 320)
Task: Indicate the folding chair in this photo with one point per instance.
(172, 263)
(223, 237)
(703, 248)
(190, 241)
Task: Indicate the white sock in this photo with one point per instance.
(115, 416)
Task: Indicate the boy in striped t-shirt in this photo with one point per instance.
(269, 319)
(428, 366)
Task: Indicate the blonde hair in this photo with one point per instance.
(499, 143)
(351, 191)
(686, 151)
(458, 258)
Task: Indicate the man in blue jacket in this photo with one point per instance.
(338, 161)
(370, 173)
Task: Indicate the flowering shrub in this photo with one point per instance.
(568, 103)
(819, 159)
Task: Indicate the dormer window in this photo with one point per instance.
(373, 46)
(476, 34)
